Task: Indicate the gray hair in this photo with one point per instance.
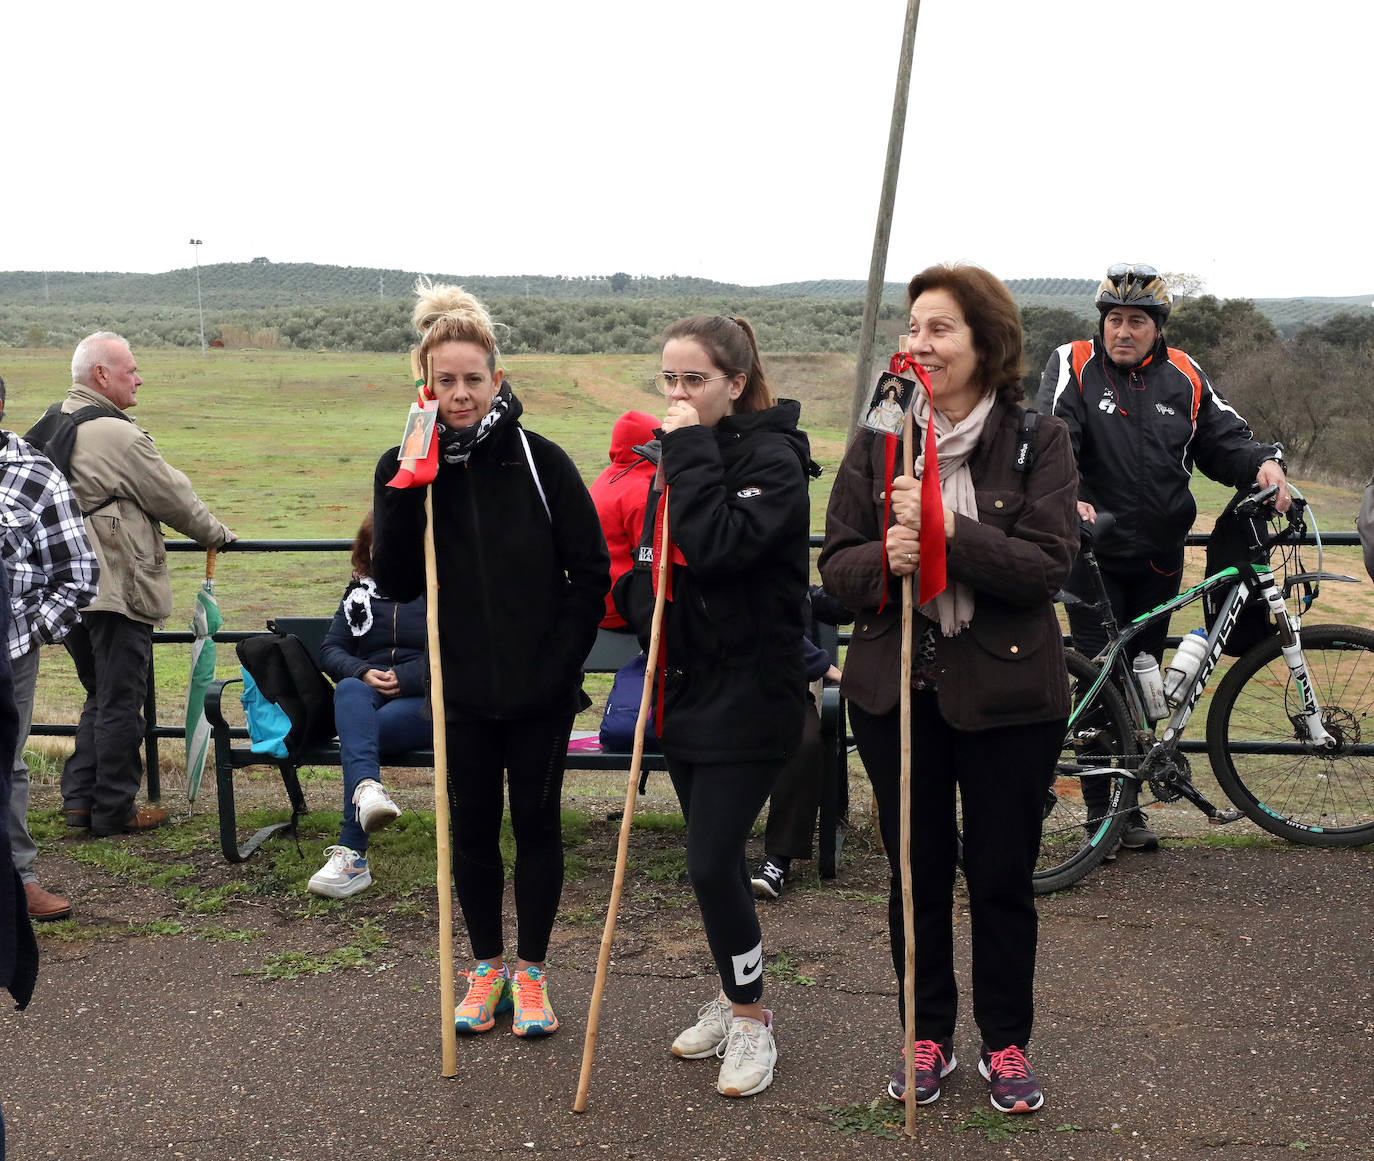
(89, 351)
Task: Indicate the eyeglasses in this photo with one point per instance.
(1139, 270)
(690, 380)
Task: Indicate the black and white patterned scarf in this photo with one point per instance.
(455, 446)
(357, 605)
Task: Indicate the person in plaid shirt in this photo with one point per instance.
(53, 574)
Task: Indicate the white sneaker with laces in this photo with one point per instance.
(343, 875)
(747, 1057)
(710, 1031)
(375, 808)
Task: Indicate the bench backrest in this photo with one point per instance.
(310, 630)
(609, 651)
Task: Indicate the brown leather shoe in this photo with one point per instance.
(145, 819)
(79, 819)
(44, 905)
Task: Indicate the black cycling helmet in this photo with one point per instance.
(1135, 285)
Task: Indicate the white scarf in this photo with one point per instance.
(954, 443)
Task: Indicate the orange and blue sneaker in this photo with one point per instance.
(533, 1012)
(489, 996)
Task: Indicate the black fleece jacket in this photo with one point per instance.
(520, 591)
(739, 512)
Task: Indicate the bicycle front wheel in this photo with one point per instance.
(1084, 819)
(1259, 743)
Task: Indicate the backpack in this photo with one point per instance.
(286, 676)
(55, 436)
(622, 710)
(1228, 545)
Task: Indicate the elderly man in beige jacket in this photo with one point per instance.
(126, 491)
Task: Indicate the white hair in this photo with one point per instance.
(90, 351)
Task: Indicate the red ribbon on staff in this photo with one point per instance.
(425, 469)
(932, 533)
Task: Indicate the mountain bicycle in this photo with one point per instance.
(1290, 731)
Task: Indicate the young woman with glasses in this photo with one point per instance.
(735, 467)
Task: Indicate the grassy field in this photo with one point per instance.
(283, 443)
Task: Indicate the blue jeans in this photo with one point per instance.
(372, 726)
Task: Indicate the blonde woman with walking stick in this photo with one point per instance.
(988, 686)
(733, 692)
(522, 573)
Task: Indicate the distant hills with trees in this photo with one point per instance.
(262, 284)
(1299, 369)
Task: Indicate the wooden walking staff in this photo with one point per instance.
(443, 863)
(904, 859)
(622, 854)
(931, 566)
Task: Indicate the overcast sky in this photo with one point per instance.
(734, 139)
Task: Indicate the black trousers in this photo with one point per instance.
(1134, 586)
(720, 802)
(112, 655)
(796, 798)
(1001, 776)
(484, 756)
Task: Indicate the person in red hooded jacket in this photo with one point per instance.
(619, 494)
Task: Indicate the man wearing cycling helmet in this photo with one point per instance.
(1141, 414)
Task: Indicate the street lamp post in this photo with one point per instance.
(195, 243)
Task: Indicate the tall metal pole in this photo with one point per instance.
(195, 249)
(877, 267)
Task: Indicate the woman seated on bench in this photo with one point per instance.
(375, 651)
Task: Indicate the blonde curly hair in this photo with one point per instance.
(449, 314)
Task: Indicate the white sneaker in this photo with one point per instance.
(343, 875)
(375, 808)
(747, 1057)
(710, 1031)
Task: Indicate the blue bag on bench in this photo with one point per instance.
(268, 723)
(622, 710)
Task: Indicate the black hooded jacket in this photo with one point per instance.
(739, 513)
(520, 590)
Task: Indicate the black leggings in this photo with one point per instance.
(1134, 587)
(531, 753)
(720, 802)
(1001, 776)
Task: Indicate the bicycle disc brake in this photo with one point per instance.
(1340, 723)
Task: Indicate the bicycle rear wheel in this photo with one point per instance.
(1072, 844)
(1322, 798)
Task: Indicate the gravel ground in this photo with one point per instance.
(1197, 1002)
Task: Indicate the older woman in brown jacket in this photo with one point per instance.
(990, 696)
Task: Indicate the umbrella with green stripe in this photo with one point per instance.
(204, 624)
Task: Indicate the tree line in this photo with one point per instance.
(1310, 388)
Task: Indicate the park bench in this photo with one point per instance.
(608, 654)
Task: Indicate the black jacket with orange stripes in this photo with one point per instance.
(1136, 436)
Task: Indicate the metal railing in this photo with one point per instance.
(156, 730)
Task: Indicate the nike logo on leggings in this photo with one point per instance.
(749, 966)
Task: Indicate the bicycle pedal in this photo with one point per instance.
(1222, 817)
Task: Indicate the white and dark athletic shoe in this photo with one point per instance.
(343, 875)
(747, 1057)
(375, 808)
(768, 879)
(710, 1031)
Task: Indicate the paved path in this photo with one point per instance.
(1199, 1003)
